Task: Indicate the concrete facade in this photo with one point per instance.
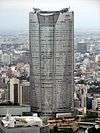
(51, 36)
(24, 93)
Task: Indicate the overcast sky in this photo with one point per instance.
(14, 13)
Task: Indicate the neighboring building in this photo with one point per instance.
(51, 37)
(33, 129)
(24, 92)
(14, 110)
(13, 90)
(18, 91)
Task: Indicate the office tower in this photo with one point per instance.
(52, 60)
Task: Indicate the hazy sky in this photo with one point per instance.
(14, 13)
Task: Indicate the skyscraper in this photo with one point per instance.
(51, 36)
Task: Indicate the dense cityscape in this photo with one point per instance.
(50, 76)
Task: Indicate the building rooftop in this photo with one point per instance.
(37, 10)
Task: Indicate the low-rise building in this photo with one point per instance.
(34, 129)
(15, 110)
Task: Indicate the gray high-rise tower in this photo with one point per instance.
(51, 36)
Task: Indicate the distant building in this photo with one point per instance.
(77, 103)
(82, 47)
(52, 60)
(5, 59)
(0, 57)
(97, 47)
(97, 58)
(97, 68)
(94, 104)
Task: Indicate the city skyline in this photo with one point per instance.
(14, 13)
